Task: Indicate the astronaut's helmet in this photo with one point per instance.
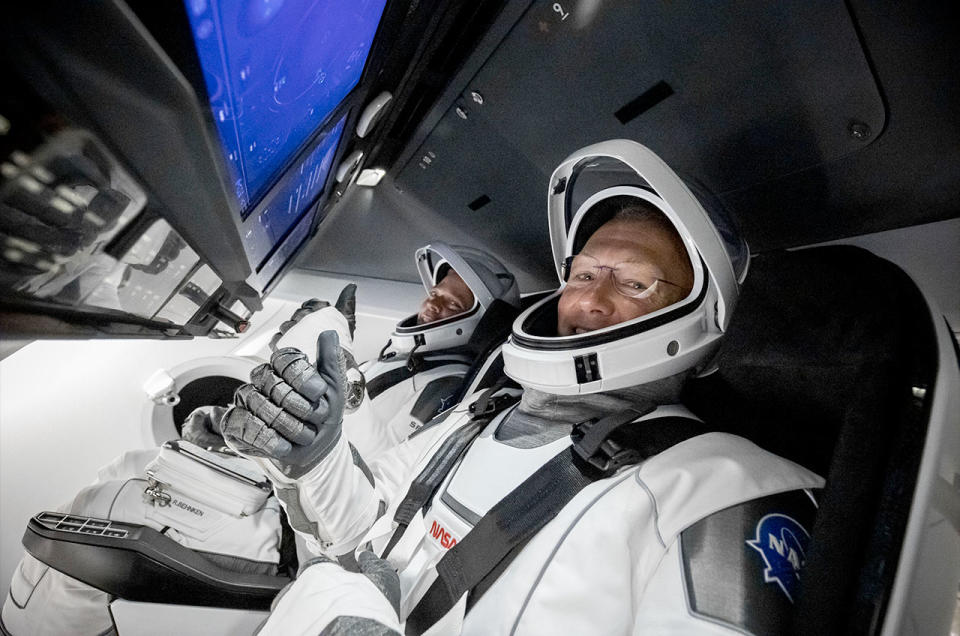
(485, 276)
(680, 328)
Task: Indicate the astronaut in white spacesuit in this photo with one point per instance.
(471, 301)
(226, 514)
(597, 504)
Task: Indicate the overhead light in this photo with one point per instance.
(371, 176)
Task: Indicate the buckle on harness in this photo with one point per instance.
(491, 405)
(607, 456)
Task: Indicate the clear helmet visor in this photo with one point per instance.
(682, 259)
(590, 177)
(437, 325)
(485, 276)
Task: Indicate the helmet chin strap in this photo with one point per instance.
(412, 356)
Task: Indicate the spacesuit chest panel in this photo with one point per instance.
(490, 470)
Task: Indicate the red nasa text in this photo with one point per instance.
(445, 538)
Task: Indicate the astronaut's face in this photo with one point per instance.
(449, 297)
(628, 268)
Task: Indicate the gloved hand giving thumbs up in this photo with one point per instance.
(292, 410)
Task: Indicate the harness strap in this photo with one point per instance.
(384, 381)
(421, 491)
(474, 564)
(289, 563)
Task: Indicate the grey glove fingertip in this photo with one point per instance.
(328, 350)
(259, 372)
(240, 396)
(279, 447)
(320, 412)
(313, 385)
(231, 427)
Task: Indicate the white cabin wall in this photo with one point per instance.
(69, 407)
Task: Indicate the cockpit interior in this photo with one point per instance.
(178, 178)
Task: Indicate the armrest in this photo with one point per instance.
(137, 563)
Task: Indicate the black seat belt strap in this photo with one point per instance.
(504, 528)
(389, 379)
(473, 565)
(484, 409)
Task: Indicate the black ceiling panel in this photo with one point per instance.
(736, 95)
(815, 120)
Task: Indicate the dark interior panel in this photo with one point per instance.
(911, 173)
(757, 91)
(813, 120)
(733, 98)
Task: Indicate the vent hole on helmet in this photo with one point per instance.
(639, 105)
(673, 348)
(459, 332)
(479, 202)
(213, 390)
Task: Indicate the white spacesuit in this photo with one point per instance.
(597, 504)
(224, 513)
(421, 369)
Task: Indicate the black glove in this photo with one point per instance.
(291, 412)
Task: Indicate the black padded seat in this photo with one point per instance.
(830, 361)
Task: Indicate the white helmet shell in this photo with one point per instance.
(683, 336)
(487, 279)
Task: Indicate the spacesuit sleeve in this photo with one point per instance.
(761, 546)
(326, 600)
(335, 504)
(735, 571)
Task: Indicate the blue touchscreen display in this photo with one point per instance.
(295, 192)
(274, 70)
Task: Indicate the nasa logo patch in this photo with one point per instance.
(445, 403)
(782, 542)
